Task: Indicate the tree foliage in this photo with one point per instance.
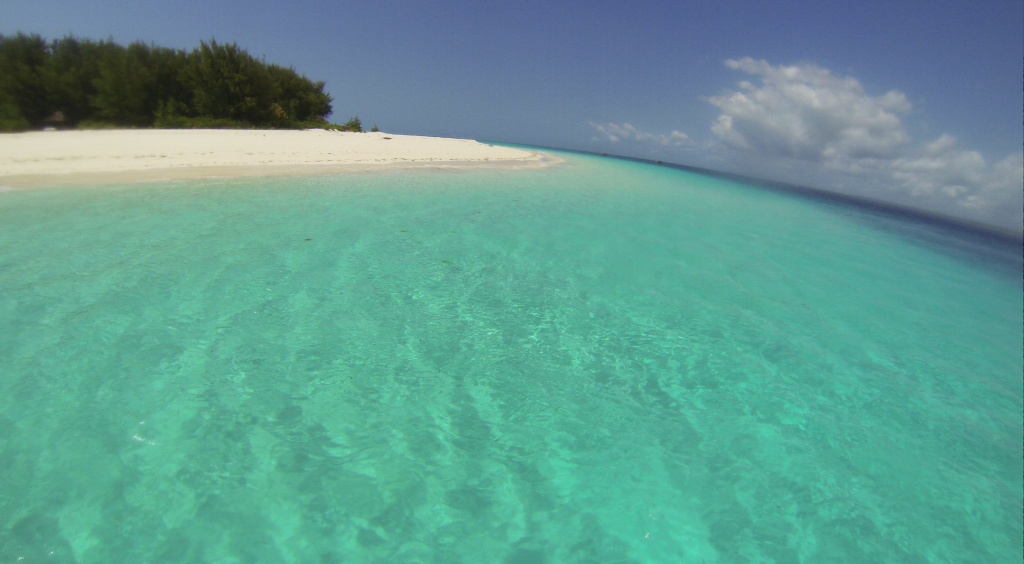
(73, 82)
(354, 124)
(24, 90)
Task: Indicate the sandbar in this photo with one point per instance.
(43, 158)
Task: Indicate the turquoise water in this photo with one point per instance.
(599, 362)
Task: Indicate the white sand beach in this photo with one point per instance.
(76, 157)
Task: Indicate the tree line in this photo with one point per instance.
(74, 82)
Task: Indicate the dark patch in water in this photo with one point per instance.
(369, 538)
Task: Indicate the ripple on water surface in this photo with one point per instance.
(600, 362)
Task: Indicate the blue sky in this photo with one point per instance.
(918, 103)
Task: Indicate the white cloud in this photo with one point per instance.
(806, 114)
(939, 168)
(615, 133)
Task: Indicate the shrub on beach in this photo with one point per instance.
(11, 119)
(83, 83)
(354, 124)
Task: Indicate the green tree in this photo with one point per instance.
(227, 82)
(10, 116)
(73, 81)
(70, 74)
(300, 98)
(23, 93)
(136, 81)
(354, 124)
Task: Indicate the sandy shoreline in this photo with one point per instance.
(46, 158)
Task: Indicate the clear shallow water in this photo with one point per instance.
(602, 362)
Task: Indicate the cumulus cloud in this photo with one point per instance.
(940, 172)
(806, 114)
(939, 168)
(615, 133)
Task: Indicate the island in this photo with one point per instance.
(79, 111)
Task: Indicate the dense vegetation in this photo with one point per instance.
(82, 83)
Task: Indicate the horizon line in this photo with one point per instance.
(927, 216)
